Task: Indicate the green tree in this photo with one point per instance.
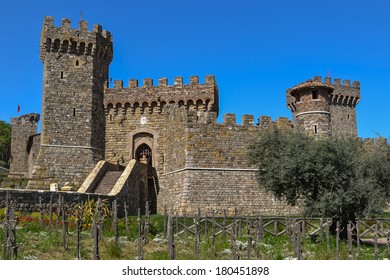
(5, 143)
(341, 178)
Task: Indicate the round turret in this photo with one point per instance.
(311, 107)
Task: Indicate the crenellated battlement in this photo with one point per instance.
(344, 92)
(151, 98)
(262, 122)
(32, 118)
(178, 81)
(76, 41)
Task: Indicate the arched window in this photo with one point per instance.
(65, 45)
(56, 46)
(48, 44)
(82, 48)
(73, 47)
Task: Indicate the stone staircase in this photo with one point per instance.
(108, 182)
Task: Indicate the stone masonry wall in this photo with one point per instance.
(22, 128)
(28, 200)
(217, 174)
(74, 165)
(219, 145)
(215, 190)
(33, 148)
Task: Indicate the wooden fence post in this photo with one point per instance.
(298, 240)
(40, 212)
(224, 222)
(321, 229)
(13, 246)
(257, 236)
(10, 245)
(376, 251)
(327, 235)
(115, 221)
(235, 255)
(249, 236)
(261, 228)
(185, 224)
(140, 235)
(80, 214)
(147, 223)
(276, 226)
(197, 234)
(165, 221)
(358, 237)
(171, 242)
(6, 226)
(126, 220)
(96, 230)
(206, 227)
(51, 210)
(239, 231)
(64, 225)
(337, 240)
(58, 214)
(350, 229)
(213, 234)
(287, 221)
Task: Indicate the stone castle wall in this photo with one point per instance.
(216, 173)
(23, 128)
(136, 115)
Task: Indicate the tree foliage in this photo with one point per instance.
(5, 143)
(341, 178)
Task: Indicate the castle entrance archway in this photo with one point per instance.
(144, 154)
(143, 146)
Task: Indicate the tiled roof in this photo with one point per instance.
(309, 84)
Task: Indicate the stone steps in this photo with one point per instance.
(107, 182)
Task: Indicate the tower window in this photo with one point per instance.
(315, 129)
(74, 112)
(347, 117)
(77, 63)
(314, 94)
(62, 75)
(298, 97)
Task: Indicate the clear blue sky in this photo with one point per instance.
(256, 49)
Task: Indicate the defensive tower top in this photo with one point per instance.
(32, 118)
(77, 41)
(346, 93)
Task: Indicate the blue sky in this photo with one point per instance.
(256, 49)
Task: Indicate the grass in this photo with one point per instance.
(43, 242)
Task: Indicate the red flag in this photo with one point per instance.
(328, 73)
(18, 108)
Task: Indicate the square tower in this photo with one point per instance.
(76, 64)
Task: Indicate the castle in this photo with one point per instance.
(91, 133)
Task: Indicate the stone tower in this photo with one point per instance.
(23, 128)
(323, 108)
(76, 64)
